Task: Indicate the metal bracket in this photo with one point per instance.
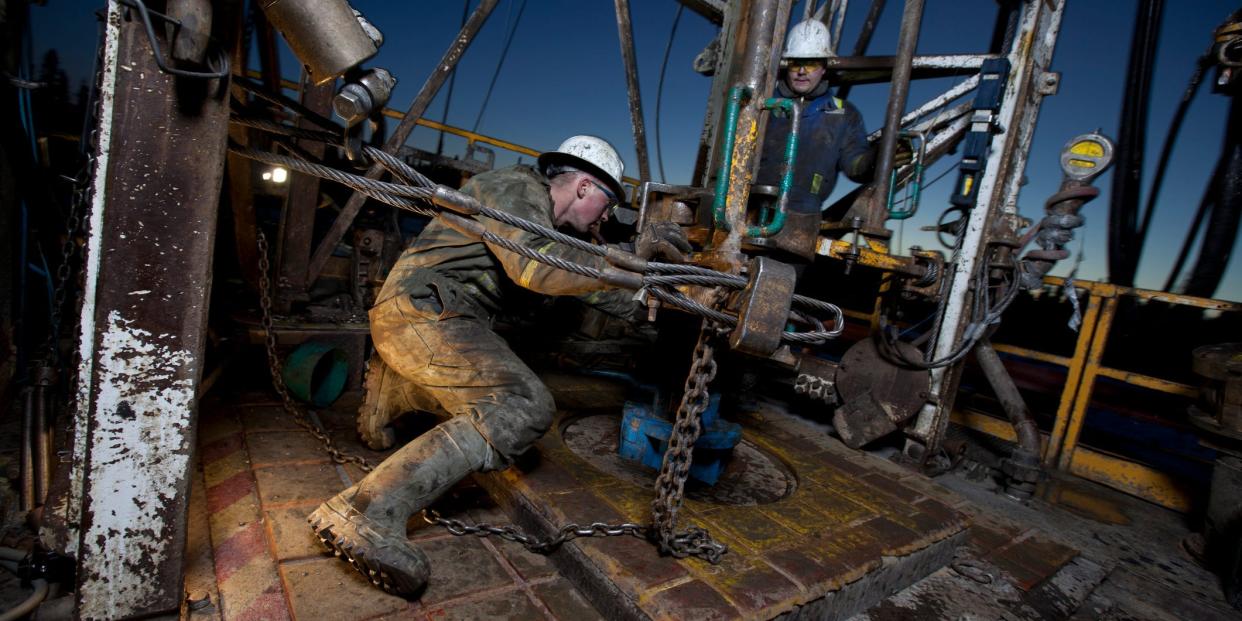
(765, 307)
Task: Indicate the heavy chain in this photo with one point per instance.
(670, 485)
(563, 534)
(278, 381)
(73, 224)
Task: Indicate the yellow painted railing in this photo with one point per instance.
(1061, 448)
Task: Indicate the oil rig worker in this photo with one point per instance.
(431, 326)
(831, 137)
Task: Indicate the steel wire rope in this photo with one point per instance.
(504, 53)
(404, 197)
(452, 81)
(1196, 77)
(668, 47)
(327, 172)
(400, 168)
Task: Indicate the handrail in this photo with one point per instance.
(777, 223)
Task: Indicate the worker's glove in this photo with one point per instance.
(662, 240)
(903, 155)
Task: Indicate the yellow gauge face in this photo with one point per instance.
(1086, 156)
(1086, 149)
(1089, 148)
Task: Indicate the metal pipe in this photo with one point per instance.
(1221, 232)
(28, 606)
(41, 437)
(864, 38)
(911, 21)
(419, 106)
(794, 111)
(838, 18)
(324, 34)
(625, 32)
(733, 105)
(1010, 399)
(28, 477)
(755, 73)
(940, 100)
(1124, 246)
(1005, 26)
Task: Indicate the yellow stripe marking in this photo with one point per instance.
(531, 265)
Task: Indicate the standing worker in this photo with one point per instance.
(831, 137)
(431, 326)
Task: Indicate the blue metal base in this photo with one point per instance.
(644, 438)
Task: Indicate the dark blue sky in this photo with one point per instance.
(564, 76)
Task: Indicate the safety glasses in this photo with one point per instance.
(805, 64)
(612, 198)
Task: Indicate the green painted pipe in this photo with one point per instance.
(316, 372)
(918, 142)
(791, 153)
(732, 109)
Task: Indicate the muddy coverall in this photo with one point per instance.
(432, 319)
(831, 139)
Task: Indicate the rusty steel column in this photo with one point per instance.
(297, 221)
(152, 223)
(419, 106)
(864, 38)
(755, 74)
(1028, 83)
(907, 41)
(625, 31)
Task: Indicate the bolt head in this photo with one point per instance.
(352, 104)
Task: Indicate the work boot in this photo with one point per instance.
(388, 396)
(365, 524)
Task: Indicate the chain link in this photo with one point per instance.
(670, 484)
(73, 224)
(278, 381)
(566, 533)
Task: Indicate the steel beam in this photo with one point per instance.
(152, 227)
(417, 108)
(756, 73)
(625, 32)
(297, 220)
(1030, 57)
(864, 38)
(899, 92)
(713, 11)
(707, 159)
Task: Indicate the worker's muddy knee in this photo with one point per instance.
(513, 422)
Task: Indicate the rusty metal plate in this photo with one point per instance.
(765, 307)
(876, 394)
(752, 476)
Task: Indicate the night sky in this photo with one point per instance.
(563, 76)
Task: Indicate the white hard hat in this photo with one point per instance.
(592, 155)
(808, 39)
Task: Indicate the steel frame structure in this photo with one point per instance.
(155, 194)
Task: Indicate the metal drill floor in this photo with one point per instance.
(1074, 552)
(837, 534)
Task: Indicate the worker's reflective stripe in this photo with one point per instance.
(483, 281)
(838, 102)
(529, 271)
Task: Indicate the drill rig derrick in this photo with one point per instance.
(892, 385)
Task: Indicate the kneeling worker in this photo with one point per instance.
(431, 324)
